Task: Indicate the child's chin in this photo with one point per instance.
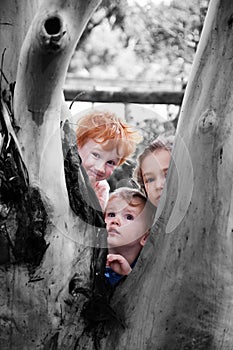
(154, 201)
(112, 243)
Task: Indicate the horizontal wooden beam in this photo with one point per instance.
(153, 97)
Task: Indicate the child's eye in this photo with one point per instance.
(96, 155)
(150, 179)
(111, 215)
(111, 162)
(129, 217)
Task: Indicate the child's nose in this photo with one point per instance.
(100, 167)
(160, 182)
(115, 220)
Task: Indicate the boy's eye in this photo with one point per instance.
(129, 217)
(111, 215)
(96, 155)
(111, 162)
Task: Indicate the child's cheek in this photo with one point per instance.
(109, 173)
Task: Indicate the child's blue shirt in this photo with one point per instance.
(113, 277)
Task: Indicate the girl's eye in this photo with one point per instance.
(150, 179)
(111, 215)
(96, 155)
(129, 217)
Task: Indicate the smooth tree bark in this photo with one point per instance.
(16, 17)
(52, 235)
(179, 295)
(49, 251)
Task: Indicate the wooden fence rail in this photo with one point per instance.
(153, 97)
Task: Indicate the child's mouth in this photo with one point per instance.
(96, 175)
(113, 232)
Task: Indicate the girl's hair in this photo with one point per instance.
(110, 131)
(135, 198)
(161, 142)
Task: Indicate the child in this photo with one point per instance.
(128, 216)
(104, 142)
(153, 164)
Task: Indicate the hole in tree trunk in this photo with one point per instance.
(53, 26)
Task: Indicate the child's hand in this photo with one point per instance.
(102, 191)
(118, 264)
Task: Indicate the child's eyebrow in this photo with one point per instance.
(110, 209)
(148, 173)
(131, 210)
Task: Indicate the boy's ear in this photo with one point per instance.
(144, 239)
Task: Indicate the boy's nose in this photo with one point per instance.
(100, 167)
(115, 221)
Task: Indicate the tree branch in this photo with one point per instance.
(42, 67)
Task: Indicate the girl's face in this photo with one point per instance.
(154, 170)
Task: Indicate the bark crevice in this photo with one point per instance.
(24, 240)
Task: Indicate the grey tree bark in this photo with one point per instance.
(53, 241)
(179, 295)
(48, 253)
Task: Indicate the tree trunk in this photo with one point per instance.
(48, 254)
(179, 295)
(53, 241)
(16, 17)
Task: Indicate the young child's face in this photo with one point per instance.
(126, 224)
(154, 170)
(98, 162)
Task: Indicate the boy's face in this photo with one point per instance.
(98, 162)
(154, 170)
(126, 225)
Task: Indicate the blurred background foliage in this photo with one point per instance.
(149, 40)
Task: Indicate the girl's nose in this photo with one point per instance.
(160, 182)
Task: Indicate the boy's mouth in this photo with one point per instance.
(112, 231)
(96, 175)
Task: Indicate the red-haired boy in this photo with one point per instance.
(104, 142)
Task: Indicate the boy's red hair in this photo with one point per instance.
(110, 131)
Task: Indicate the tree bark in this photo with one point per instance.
(50, 267)
(179, 295)
(14, 26)
(53, 242)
